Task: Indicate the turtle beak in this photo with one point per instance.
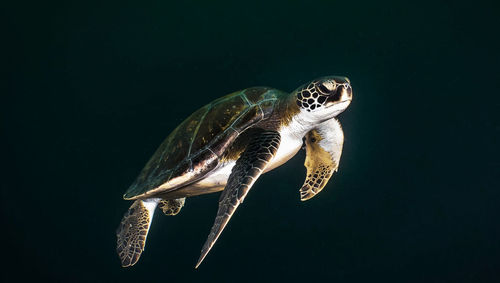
(347, 92)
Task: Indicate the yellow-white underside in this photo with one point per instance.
(291, 142)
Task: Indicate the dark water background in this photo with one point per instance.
(94, 87)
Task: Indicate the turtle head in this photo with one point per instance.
(325, 97)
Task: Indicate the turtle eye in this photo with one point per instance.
(323, 89)
(326, 87)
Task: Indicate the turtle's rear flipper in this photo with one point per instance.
(171, 206)
(133, 230)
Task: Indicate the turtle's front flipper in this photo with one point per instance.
(323, 150)
(247, 169)
(133, 230)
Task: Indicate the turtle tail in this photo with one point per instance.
(133, 230)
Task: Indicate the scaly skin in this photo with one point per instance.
(132, 232)
(248, 168)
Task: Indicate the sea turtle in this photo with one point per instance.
(227, 144)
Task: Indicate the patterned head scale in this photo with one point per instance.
(324, 92)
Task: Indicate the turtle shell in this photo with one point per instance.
(196, 146)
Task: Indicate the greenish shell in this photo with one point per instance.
(197, 145)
